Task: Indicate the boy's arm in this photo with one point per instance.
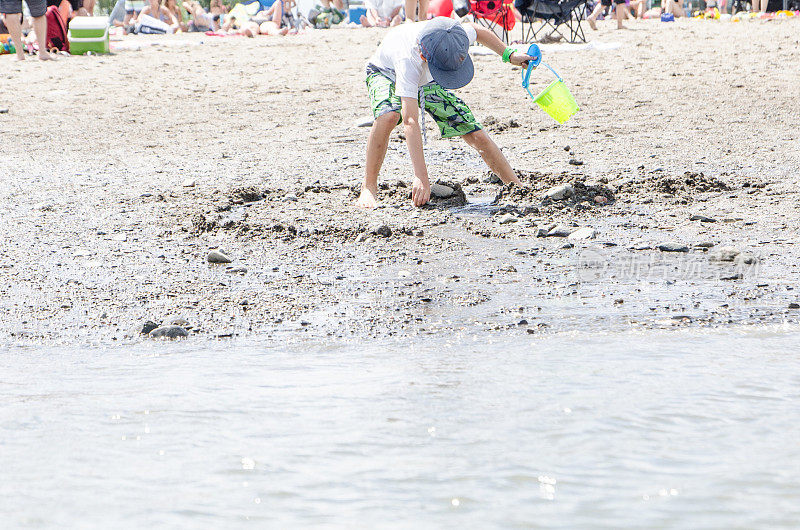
(491, 41)
(421, 188)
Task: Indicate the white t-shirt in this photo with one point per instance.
(383, 7)
(398, 57)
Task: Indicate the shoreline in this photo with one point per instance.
(110, 219)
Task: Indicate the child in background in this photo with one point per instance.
(382, 13)
(619, 12)
(411, 10)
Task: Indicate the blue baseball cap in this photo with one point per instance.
(445, 45)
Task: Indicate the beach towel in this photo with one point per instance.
(150, 25)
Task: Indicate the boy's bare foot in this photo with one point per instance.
(367, 199)
(20, 57)
(591, 24)
(44, 55)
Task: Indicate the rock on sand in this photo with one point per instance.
(560, 231)
(560, 192)
(585, 232)
(724, 254)
(673, 247)
(216, 256)
(441, 191)
(506, 219)
(169, 332)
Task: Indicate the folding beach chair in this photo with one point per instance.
(562, 17)
(496, 15)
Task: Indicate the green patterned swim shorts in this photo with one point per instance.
(450, 113)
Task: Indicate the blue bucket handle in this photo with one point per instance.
(534, 51)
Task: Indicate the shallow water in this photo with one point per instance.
(670, 430)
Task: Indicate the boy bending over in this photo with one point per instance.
(422, 62)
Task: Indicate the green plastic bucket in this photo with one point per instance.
(557, 101)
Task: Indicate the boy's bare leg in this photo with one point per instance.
(376, 151)
(492, 155)
(15, 30)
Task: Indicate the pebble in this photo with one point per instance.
(702, 218)
(560, 192)
(441, 191)
(382, 230)
(746, 259)
(290, 197)
(506, 219)
(704, 244)
(175, 320)
(600, 200)
(794, 305)
(169, 332)
(575, 162)
(236, 270)
(560, 231)
(672, 247)
(188, 183)
(724, 254)
(585, 232)
(361, 237)
(366, 121)
(147, 327)
(216, 256)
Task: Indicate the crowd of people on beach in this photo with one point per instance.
(284, 17)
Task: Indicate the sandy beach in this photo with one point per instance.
(121, 173)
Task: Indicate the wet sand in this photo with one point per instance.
(122, 172)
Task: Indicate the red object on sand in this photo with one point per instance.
(56, 30)
(496, 11)
(440, 8)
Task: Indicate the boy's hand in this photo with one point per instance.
(420, 191)
(520, 59)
